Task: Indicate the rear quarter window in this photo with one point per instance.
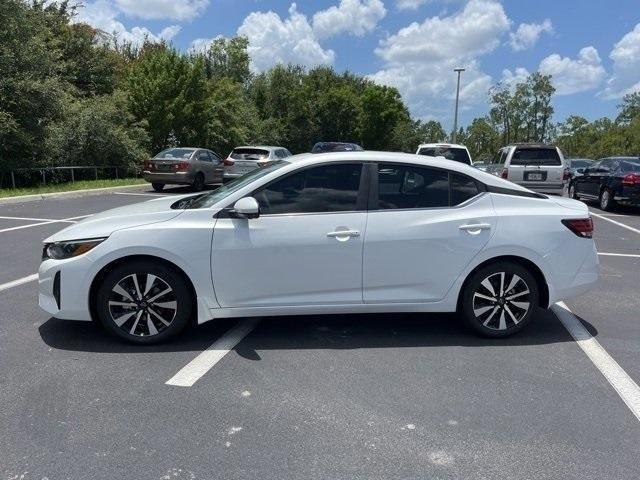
(536, 156)
(455, 154)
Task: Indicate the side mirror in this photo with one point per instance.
(581, 170)
(585, 171)
(247, 207)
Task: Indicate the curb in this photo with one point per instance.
(73, 193)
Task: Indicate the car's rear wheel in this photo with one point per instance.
(158, 187)
(198, 182)
(607, 202)
(499, 299)
(144, 302)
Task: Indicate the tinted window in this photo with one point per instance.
(535, 156)
(175, 153)
(406, 186)
(630, 166)
(462, 189)
(325, 147)
(327, 188)
(455, 154)
(249, 154)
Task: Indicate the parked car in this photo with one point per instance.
(183, 166)
(242, 160)
(610, 181)
(457, 153)
(349, 232)
(575, 168)
(537, 166)
(326, 147)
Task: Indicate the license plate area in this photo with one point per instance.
(536, 176)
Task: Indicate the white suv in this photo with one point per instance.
(450, 151)
(537, 166)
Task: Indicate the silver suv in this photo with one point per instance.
(183, 166)
(245, 159)
(537, 166)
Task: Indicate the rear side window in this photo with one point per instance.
(630, 166)
(455, 154)
(326, 188)
(536, 156)
(406, 186)
(462, 189)
(249, 154)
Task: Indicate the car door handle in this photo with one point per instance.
(475, 226)
(343, 233)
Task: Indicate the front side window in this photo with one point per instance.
(408, 186)
(326, 188)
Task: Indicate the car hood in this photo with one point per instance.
(105, 223)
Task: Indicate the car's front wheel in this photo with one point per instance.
(572, 191)
(144, 302)
(158, 187)
(198, 182)
(499, 299)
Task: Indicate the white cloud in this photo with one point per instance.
(510, 79)
(160, 9)
(356, 17)
(626, 66)
(420, 58)
(202, 44)
(574, 75)
(273, 40)
(102, 15)
(527, 34)
(409, 4)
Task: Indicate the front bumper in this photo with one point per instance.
(71, 300)
(175, 178)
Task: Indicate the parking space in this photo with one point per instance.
(348, 396)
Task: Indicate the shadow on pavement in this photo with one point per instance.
(315, 332)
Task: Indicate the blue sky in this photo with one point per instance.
(592, 47)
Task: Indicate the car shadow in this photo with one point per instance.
(180, 190)
(314, 332)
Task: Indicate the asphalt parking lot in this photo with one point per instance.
(344, 397)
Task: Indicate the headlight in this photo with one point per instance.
(73, 248)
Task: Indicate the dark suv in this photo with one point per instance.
(609, 180)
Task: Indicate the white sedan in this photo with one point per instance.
(349, 232)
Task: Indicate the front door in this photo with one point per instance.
(427, 227)
(304, 249)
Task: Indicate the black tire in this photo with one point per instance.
(607, 203)
(158, 187)
(198, 182)
(571, 193)
(152, 316)
(495, 314)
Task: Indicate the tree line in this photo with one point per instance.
(73, 95)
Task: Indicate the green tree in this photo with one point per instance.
(382, 110)
(629, 108)
(228, 57)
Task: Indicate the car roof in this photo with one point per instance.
(447, 145)
(263, 147)
(621, 158)
(532, 145)
(309, 159)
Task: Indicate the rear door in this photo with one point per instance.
(536, 167)
(424, 228)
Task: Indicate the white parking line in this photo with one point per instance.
(62, 220)
(143, 194)
(616, 223)
(18, 282)
(204, 362)
(633, 255)
(31, 219)
(615, 375)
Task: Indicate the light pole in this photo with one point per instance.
(455, 119)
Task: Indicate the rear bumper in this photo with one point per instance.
(553, 188)
(629, 195)
(585, 278)
(176, 178)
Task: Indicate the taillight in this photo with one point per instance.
(182, 165)
(228, 162)
(505, 173)
(582, 227)
(631, 179)
(566, 174)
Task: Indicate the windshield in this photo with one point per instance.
(455, 154)
(249, 154)
(175, 153)
(209, 199)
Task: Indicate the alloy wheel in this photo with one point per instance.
(501, 301)
(142, 304)
(605, 199)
